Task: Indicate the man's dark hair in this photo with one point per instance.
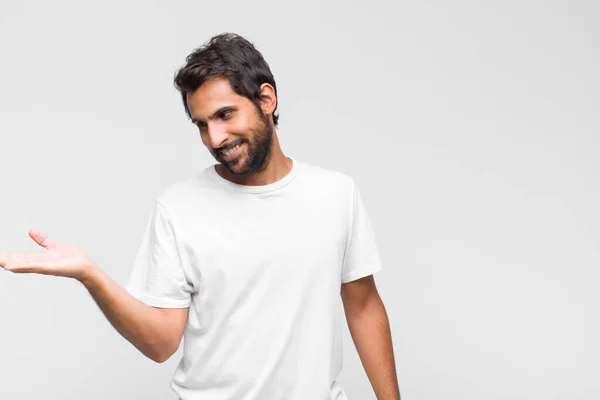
(228, 56)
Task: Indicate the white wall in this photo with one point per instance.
(471, 128)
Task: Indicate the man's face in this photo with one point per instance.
(226, 120)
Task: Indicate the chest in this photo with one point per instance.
(235, 243)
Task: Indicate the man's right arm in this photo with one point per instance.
(156, 332)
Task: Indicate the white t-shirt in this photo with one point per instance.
(261, 269)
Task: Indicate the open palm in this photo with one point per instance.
(59, 259)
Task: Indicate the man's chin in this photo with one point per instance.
(237, 168)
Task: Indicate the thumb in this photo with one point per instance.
(41, 238)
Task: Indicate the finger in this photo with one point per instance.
(3, 259)
(41, 238)
(21, 263)
(7, 260)
(19, 269)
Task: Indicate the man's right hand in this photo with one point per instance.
(156, 332)
(59, 259)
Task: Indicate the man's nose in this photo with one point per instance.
(217, 135)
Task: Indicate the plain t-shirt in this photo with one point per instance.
(260, 268)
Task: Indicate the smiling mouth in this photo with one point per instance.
(223, 151)
(231, 152)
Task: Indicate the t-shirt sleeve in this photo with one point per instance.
(362, 256)
(158, 277)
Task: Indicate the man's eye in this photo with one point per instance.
(225, 114)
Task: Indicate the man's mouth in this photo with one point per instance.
(231, 152)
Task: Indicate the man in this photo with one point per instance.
(247, 260)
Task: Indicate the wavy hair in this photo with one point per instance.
(228, 56)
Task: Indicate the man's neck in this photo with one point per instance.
(278, 167)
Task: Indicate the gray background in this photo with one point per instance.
(471, 129)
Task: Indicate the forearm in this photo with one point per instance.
(370, 331)
(136, 321)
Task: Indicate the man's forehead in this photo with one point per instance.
(210, 96)
(213, 89)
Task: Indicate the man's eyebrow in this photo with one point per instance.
(214, 115)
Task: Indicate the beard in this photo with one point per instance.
(258, 150)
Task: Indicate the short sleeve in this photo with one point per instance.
(158, 277)
(362, 256)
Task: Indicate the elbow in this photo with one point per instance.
(160, 360)
(162, 355)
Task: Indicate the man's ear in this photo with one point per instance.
(268, 99)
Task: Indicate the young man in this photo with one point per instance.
(247, 260)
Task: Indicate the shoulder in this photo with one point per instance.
(331, 178)
(182, 192)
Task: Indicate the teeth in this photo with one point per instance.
(228, 152)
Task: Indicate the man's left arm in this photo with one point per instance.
(370, 330)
